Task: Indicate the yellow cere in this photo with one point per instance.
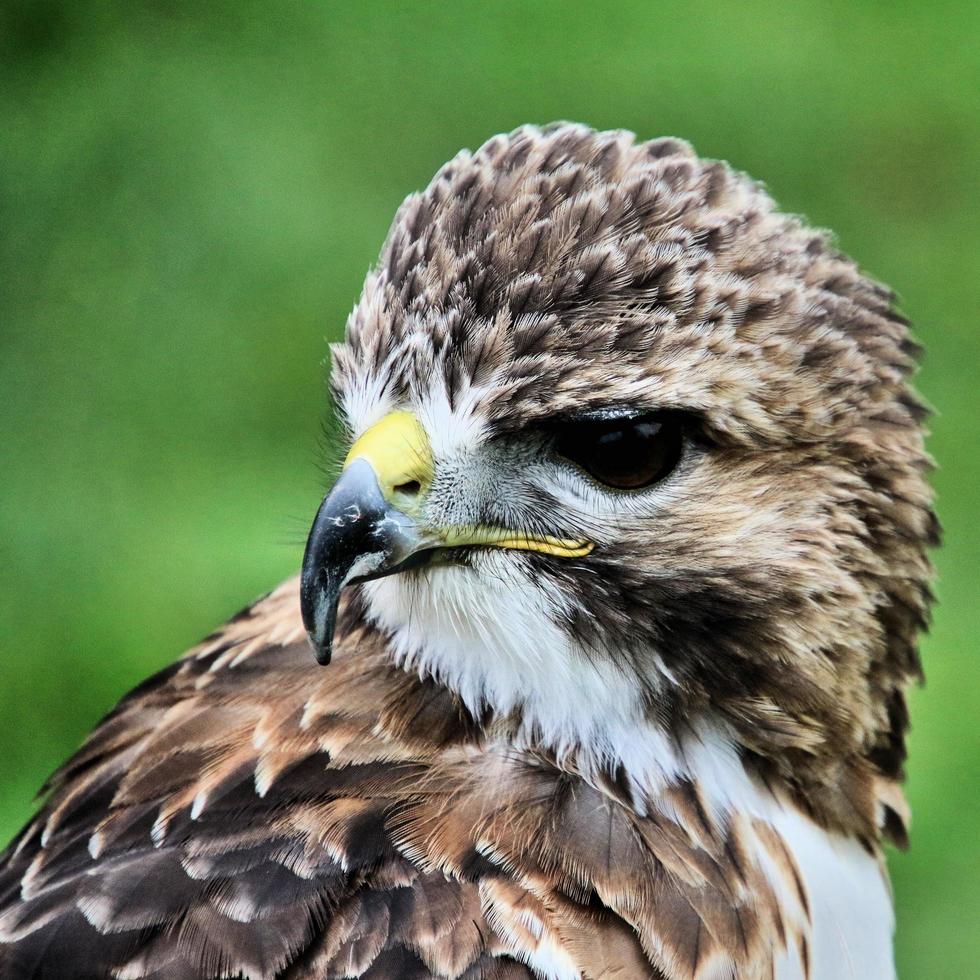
(399, 452)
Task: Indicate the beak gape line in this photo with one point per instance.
(367, 525)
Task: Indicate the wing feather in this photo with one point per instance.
(246, 813)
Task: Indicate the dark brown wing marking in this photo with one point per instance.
(219, 823)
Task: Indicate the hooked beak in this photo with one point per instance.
(365, 527)
(356, 534)
(369, 524)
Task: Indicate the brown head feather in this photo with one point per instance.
(560, 269)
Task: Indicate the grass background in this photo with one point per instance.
(190, 195)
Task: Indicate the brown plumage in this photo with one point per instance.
(411, 812)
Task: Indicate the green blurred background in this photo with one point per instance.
(191, 193)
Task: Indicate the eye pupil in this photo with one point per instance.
(626, 454)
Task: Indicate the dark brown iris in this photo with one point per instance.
(623, 453)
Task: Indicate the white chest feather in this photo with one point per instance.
(851, 917)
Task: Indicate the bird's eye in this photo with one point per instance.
(626, 454)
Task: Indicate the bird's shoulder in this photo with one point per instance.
(232, 816)
(244, 812)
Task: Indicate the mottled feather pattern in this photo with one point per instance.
(246, 813)
(205, 843)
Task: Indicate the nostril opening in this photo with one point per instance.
(410, 488)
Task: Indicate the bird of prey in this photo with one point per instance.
(619, 589)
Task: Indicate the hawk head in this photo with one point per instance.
(635, 465)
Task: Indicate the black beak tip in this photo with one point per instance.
(321, 652)
(319, 608)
